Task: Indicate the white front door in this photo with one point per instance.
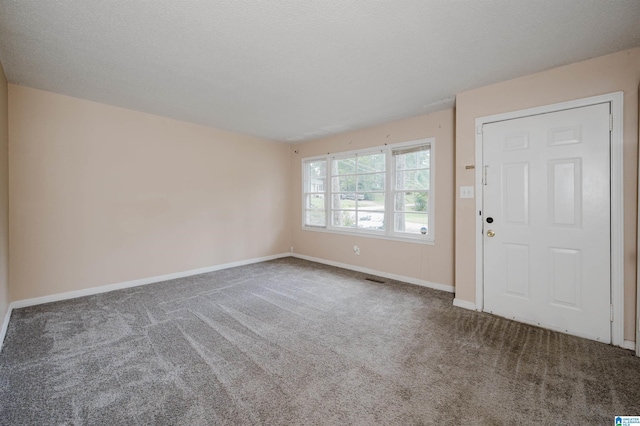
(546, 212)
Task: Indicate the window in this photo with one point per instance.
(411, 188)
(384, 192)
(358, 191)
(315, 182)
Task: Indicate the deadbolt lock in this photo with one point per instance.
(490, 233)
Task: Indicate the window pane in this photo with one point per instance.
(344, 201)
(415, 179)
(370, 220)
(314, 202)
(411, 222)
(344, 184)
(413, 160)
(315, 176)
(417, 201)
(314, 214)
(314, 218)
(315, 184)
(371, 163)
(344, 166)
(317, 169)
(371, 201)
(343, 218)
(420, 202)
(402, 200)
(371, 182)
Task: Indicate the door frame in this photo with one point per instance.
(617, 198)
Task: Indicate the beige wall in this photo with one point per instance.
(102, 195)
(4, 197)
(433, 263)
(607, 74)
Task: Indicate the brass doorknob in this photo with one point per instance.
(490, 233)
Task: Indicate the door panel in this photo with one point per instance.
(547, 190)
(565, 277)
(515, 184)
(517, 268)
(565, 192)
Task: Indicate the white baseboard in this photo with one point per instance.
(410, 280)
(144, 281)
(134, 283)
(464, 304)
(127, 284)
(5, 325)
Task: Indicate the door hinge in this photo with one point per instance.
(611, 313)
(611, 122)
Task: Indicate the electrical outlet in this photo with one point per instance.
(356, 250)
(291, 249)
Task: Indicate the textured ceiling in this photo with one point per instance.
(298, 70)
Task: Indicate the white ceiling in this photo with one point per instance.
(298, 70)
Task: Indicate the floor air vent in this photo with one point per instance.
(375, 280)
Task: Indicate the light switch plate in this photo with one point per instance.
(466, 192)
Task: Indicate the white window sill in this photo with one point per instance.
(415, 240)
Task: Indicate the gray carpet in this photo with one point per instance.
(294, 342)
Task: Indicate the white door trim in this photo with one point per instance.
(617, 200)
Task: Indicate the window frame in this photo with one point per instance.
(331, 193)
(305, 179)
(389, 192)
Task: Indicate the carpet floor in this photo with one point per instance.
(294, 342)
